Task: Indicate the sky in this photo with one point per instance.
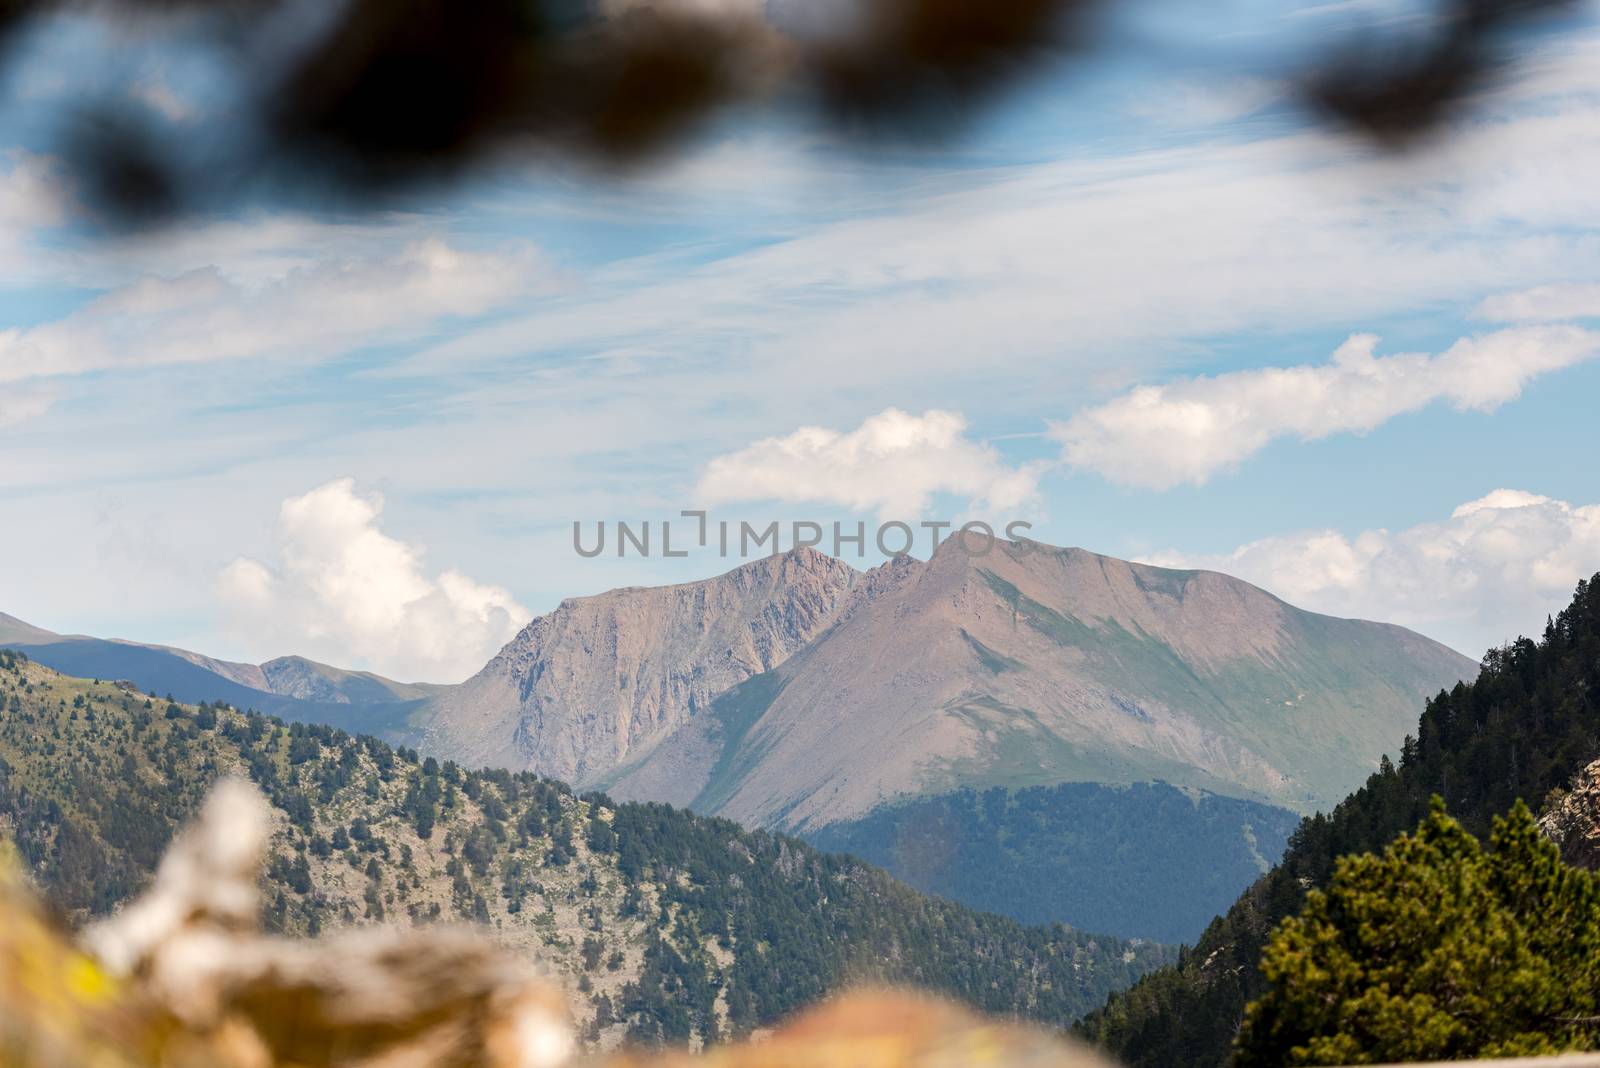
(1145, 304)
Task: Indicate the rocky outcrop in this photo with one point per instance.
(601, 679)
(1571, 819)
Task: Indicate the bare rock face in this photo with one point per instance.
(600, 680)
(1572, 820)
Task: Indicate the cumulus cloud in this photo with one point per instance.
(1187, 431)
(1495, 568)
(1543, 304)
(893, 462)
(204, 314)
(344, 591)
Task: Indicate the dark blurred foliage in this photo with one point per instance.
(1397, 90)
(388, 93)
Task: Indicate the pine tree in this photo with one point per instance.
(1436, 950)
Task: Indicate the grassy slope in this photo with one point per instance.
(672, 926)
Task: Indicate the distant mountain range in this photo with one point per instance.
(797, 693)
(290, 686)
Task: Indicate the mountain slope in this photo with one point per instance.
(1036, 666)
(1147, 861)
(670, 926)
(1527, 726)
(15, 631)
(602, 679)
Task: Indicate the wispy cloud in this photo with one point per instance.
(1543, 304)
(18, 404)
(204, 315)
(1187, 431)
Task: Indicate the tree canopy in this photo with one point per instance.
(1438, 949)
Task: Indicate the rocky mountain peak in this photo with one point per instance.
(603, 677)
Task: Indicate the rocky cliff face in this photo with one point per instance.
(1572, 820)
(602, 679)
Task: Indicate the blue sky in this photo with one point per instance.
(1111, 308)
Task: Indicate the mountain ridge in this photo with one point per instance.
(291, 686)
(1036, 665)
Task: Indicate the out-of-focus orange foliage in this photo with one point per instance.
(884, 1029)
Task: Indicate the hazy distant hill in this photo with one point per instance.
(290, 686)
(662, 924)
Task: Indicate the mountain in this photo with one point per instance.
(661, 924)
(1526, 729)
(290, 686)
(603, 679)
(1035, 666)
(857, 709)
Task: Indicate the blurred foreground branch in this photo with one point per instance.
(365, 96)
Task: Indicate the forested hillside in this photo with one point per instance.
(1528, 724)
(666, 926)
(1147, 861)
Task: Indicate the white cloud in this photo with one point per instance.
(1542, 304)
(1495, 568)
(1187, 431)
(18, 404)
(344, 591)
(205, 315)
(893, 462)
